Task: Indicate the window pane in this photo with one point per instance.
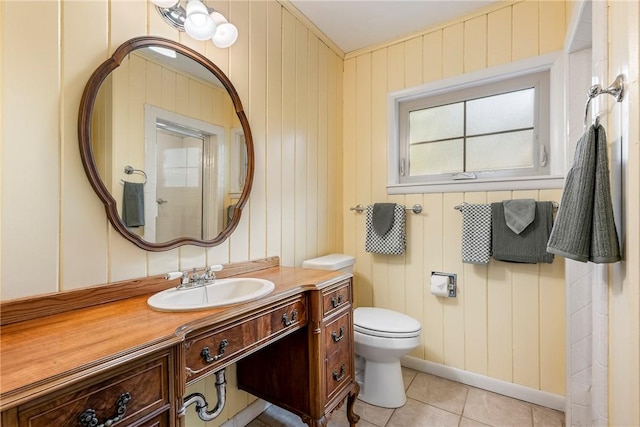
(513, 110)
(436, 123)
(436, 157)
(502, 151)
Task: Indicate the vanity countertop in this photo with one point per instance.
(40, 355)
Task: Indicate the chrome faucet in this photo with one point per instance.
(195, 278)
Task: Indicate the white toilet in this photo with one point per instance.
(382, 337)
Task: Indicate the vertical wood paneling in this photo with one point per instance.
(432, 57)
(413, 51)
(475, 306)
(301, 144)
(414, 267)
(397, 275)
(335, 167)
(552, 25)
(88, 224)
(453, 50)
(475, 44)
(311, 192)
(525, 30)
(349, 197)
(499, 37)
(322, 153)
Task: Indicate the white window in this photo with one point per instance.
(489, 129)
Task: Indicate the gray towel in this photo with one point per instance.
(476, 233)
(585, 229)
(394, 241)
(133, 204)
(530, 245)
(519, 213)
(383, 214)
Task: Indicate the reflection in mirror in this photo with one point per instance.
(170, 117)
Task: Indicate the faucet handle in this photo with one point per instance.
(174, 275)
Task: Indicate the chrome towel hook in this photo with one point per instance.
(615, 89)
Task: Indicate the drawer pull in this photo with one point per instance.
(294, 317)
(88, 418)
(339, 376)
(337, 337)
(336, 302)
(206, 356)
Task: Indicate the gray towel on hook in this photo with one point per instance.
(585, 229)
(476, 233)
(394, 241)
(133, 204)
(530, 245)
(519, 213)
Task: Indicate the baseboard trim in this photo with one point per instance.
(244, 417)
(506, 388)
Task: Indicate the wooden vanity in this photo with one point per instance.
(120, 360)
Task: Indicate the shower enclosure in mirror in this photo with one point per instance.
(170, 113)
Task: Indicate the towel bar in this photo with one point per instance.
(417, 208)
(129, 170)
(459, 206)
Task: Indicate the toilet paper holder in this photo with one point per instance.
(452, 279)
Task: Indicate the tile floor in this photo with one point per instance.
(433, 401)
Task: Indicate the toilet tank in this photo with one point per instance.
(340, 262)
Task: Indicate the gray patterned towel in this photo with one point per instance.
(476, 233)
(585, 229)
(391, 243)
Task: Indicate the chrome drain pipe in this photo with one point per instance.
(201, 401)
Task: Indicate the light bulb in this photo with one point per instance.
(226, 35)
(165, 4)
(199, 24)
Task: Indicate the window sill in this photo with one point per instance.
(480, 184)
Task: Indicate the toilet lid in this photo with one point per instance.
(381, 322)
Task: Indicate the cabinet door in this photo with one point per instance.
(127, 396)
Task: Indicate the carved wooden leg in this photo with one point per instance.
(351, 400)
(322, 422)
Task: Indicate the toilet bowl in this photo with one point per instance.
(381, 338)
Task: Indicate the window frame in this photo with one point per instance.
(549, 176)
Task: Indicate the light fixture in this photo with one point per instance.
(198, 20)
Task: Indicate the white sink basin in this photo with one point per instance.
(221, 293)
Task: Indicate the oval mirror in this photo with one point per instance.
(166, 145)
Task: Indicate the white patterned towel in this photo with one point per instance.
(476, 233)
(394, 241)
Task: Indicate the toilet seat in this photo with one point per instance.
(380, 322)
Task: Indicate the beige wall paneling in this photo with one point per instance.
(397, 275)
(288, 138)
(526, 313)
(324, 204)
(301, 142)
(552, 26)
(239, 75)
(433, 315)
(311, 192)
(453, 50)
(499, 39)
(349, 197)
(83, 234)
(525, 30)
(413, 62)
(499, 311)
(454, 353)
(552, 318)
(475, 44)
(380, 270)
(432, 57)
(257, 116)
(475, 305)
(274, 136)
(336, 125)
(31, 210)
(416, 279)
(363, 293)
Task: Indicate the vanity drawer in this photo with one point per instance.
(209, 352)
(336, 297)
(338, 370)
(140, 391)
(338, 334)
